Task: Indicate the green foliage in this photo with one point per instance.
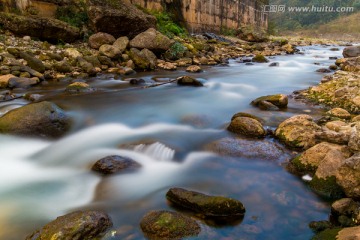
(176, 51)
(74, 15)
(228, 31)
(166, 24)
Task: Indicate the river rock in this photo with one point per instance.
(79, 87)
(320, 154)
(354, 141)
(260, 59)
(144, 59)
(346, 212)
(19, 82)
(249, 148)
(86, 66)
(208, 206)
(100, 38)
(110, 51)
(164, 225)
(4, 80)
(152, 40)
(189, 81)
(351, 233)
(121, 43)
(115, 164)
(194, 69)
(62, 67)
(348, 176)
(339, 113)
(84, 225)
(246, 126)
(243, 114)
(40, 27)
(113, 17)
(353, 51)
(279, 100)
(298, 131)
(72, 53)
(43, 119)
(33, 62)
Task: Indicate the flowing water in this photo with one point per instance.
(165, 129)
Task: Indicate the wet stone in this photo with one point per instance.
(115, 164)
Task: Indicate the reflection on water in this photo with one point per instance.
(167, 128)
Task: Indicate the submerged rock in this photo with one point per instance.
(168, 225)
(79, 87)
(249, 148)
(115, 164)
(246, 126)
(208, 206)
(44, 119)
(80, 225)
(298, 131)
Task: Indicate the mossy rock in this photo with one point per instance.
(79, 87)
(246, 126)
(85, 225)
(327, 187)
(205, 205)
(328, 234)
(163, 225)
(260, 59)
(242, 114)
(43, 119)
(301, 168)
(279, 100)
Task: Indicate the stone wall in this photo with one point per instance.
(212, 15)
(196, 15)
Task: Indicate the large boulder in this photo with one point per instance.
(322, 153)
(348, 176)
(100, 38)
(144, 59)
(43, 28)
(249, 148)
(164, 225)
(247, 126)
(298, 131)
(43, 119)
(346, 212)
(205, 205)
(84, 225)
(354, 141)
(118, 18)
(353, 51)
(351, 233)
(152, 40)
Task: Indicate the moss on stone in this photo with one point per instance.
(328, 234)
(260, 59)
(327, 188)
(302, 168)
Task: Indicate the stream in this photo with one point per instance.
(165, 129)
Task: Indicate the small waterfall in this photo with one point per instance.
(156, 150)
